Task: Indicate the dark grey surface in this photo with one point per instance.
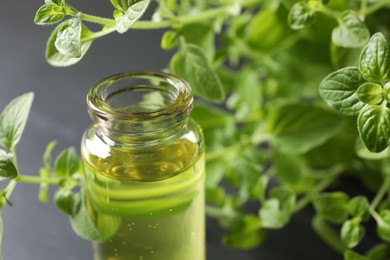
(35, 231)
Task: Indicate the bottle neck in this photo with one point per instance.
(141, 106)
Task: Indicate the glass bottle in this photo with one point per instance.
(144, 169)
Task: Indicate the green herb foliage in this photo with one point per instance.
(277, 140)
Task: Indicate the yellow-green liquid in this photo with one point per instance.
(142, 220)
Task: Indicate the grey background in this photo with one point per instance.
(37, 231)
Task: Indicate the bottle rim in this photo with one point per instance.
(179, 106)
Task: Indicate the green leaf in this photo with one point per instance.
(210, 117)
(49, 14)
(386, 91)
(351, 32)
(7, 166)
(56, 58)
(352, 233)
(202, 35)
(13, 120)
(370, 93)
(289, 167)
(268, 29)
(332, 206)
(215, 195)
(339, 88)
(82, 223)
(169, 40)
(66, 201)
(276, 211)
(379, 252)
(68, 40)
(47, 155)
(128, 16)
(67, 163)
(260, 187)
(123, 5)
(375, 59)
(297, 128)
(246, 99)
(351, 255)
(301, 15)
(45, 172)
(192, 64)
(247, 234)
(374, 127)
(117, 4)
(383, 225)
(358, 206)
(363, 152)
(56, 2)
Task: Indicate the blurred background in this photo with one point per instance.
(36, 231)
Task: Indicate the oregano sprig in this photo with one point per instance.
(361, 91)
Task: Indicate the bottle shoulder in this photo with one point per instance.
(143, 161)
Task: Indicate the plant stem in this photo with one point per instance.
(10, 188)
(99, 34)
(334, 14)
(381, 193)
(375, 7)
(181, 20)
(363, 8)
(304, 201)
(36, 179)
(98, 19)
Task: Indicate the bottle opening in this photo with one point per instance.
(142, 93)
(141, 101)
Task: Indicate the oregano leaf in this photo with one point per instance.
(169, 40)
(66, 201)
(57, 2)
(67, 163)
(375, 59)
(351, 255)
(247, 234)
(339, 88)
(125, 18)
(13, 120)
(297, 128)
(301, 15)
(332, 206)
(358, 206)
(370, 93)
(383, 225)
(68, 40)
(7, 167)
(83, 224)
(192, 64)
(374, 127)
(352, 233)
(351, 32)
(56, 58)
(49, 14)
(379, 252)
(277, 209)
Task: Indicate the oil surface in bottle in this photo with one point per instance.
(147, 204)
